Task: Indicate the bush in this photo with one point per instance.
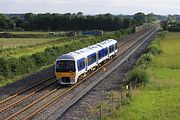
(138, 76)
(174, 29)
(1, 48)
(27, 65)
(1, 78)
(155, 48)
(144, 59)
(161, 34)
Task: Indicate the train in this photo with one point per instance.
(71, 67)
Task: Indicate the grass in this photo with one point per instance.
(39, 47)
(160, 99)
(16, 42)
(29, 32)
(17, 47)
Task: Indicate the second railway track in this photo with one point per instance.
(44, 101)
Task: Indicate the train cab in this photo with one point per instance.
(65, 69)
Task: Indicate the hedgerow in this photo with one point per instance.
(138, 74)
(144, 59)
(155, 48)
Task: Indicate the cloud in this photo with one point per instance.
(91, 6)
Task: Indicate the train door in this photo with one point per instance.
(97, 58)
(86, 64)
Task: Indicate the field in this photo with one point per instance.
(17, 47)
(29, 32)
(16, 42)
(160, 99)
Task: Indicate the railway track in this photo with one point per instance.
(20, 101)
(25, 90)
(51, 97)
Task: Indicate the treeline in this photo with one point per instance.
(172, 23)
(174, 27)
(68, 21)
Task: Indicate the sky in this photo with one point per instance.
(126, 7)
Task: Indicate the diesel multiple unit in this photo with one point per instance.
(74, 65)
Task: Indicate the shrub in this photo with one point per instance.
(144, 59)
(1, 48)
(117, 33)
(138, 76)
(6, 67)
(162, 34)
(155, 48)
(27, 65)
(1, 78)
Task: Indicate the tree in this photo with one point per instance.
(151, 18)
(4, 21)
(28, 16)
(127, 23)
(17, 22)
(73, 21)
(79, 14)
(164, 24)
(171, 18)
(139, 18)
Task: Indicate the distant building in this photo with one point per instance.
(52, 33)
(93, 32)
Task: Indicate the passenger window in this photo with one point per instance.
(81, 64)
(91, 59)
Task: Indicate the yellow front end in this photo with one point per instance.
(66, 77)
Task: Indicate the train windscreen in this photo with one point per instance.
(65, 66)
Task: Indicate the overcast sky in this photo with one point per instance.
(163, 7)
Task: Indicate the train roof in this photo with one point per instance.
(66, 56)
(95, 47)
(107, 42)
(78, 54)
